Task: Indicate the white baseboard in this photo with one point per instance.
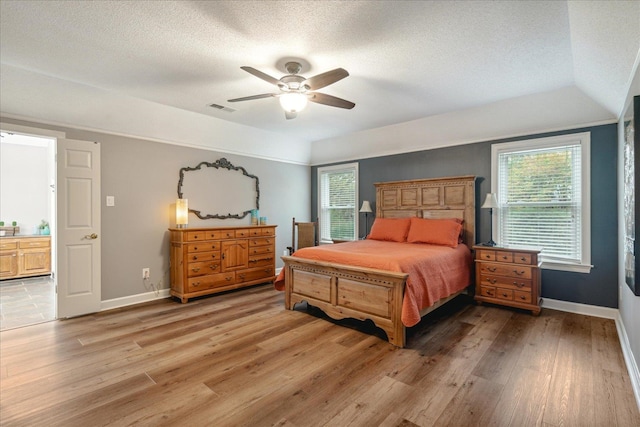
(607, 313)
(577, 308)
(632, 366)
(110, 304)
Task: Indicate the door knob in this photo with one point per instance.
(91, 236)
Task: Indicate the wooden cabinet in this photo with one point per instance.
(24, 256)
(210, 260)
(508, 277)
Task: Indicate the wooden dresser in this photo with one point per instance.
(210, 260)
(508, 276)
(24, 256)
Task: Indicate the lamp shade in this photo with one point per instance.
(182, 213)
(366, 207)
(293, 102)
(491, 201)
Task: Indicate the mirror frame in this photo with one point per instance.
(218, 164)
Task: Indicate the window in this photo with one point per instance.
(337, 202)
(543, 192)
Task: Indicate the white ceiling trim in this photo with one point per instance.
(45, 99)
(527, 115)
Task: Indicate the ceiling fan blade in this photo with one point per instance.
(325, 79)
(266, 77)
(290, 116)
(322, 98)
(249, 98)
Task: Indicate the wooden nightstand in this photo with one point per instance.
(508, 276)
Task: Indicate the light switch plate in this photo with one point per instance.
(111, 201)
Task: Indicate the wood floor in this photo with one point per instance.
(241, 359)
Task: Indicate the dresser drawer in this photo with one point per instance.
(509, 270)
(256, 250)
(262, 231)
(203, 247)
(255, 274)
(200, 268)
(261, 261)
(242, 233)
(261, 241)
(197, 236)
(508, 282)
(203, 256)
(210, 281)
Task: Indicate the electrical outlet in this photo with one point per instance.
(146, 273)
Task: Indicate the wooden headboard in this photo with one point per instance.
(452, 197)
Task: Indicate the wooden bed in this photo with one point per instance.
(343, 291)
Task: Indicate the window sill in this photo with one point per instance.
(574, 268)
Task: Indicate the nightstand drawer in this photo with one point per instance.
(504, 256)
(486, 255)
(506, 294)
(488, 291)
(522, 296)
(509, 270)
(513, 283)
(520, 258)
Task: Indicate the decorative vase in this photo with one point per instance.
(46, 231)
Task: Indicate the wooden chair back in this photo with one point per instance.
(303, 235)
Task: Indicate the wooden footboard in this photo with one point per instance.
(343, 291)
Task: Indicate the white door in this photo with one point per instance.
(78, 227)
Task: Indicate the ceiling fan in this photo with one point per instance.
(296, 90)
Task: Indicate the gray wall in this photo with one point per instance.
(143, 177)
(597, 288)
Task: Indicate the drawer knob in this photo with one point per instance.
(196, 284)
(195, 257)
(195, 269)
(522, 297)
(195, 248)
(520, 285)
(492, 281)
(228, 279)
(523, 259)
(519, 273)
(504, 257)
(504, 294)
(491, 269)
(487, 256)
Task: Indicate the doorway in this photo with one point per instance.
(27, 204)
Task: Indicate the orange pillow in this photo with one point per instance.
(444, 232)
(391, 229)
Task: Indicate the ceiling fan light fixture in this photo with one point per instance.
(293, 102)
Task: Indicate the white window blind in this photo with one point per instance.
(337, 194)
(540, 186)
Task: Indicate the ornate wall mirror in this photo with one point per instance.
(219, 187)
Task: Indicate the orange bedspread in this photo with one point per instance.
(435, 272)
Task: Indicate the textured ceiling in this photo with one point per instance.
(407, 60)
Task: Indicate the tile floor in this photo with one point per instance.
(26, 301)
